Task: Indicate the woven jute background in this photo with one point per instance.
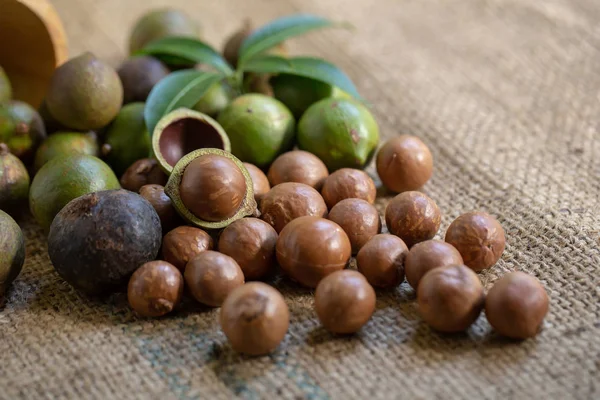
(507, 95)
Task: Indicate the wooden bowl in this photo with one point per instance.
(32, 45)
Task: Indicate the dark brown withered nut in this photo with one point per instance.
(255, 318)
(381, 260)
(233, 43)
(298, 166)
(139, 75)
(428, 255)
(413, 217)
(211, 188)
(212, 276)
(344, 301)
(251, 243)
(260, 183)
(478, 237)
(182, 131)
(155, 289)
(348, 183)
(516, 305)
(450, 298)
(98, 240)
(184, 243)
(310, 248)
(288, 201)
(359, 219)
(155, 194)
(143, 172)
(404, 163)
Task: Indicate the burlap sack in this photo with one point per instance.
(507, 95)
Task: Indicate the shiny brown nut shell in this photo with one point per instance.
(516, 305)
(348, 183)
(413, 217)
(359, 219)
(427, 255)
(251, 243)
(260, 183)
(155, 194)
(211, 277)
(381, 260)
(155, 289)
(288, 201)
(212, 187)
(450, 298)
(143, 172)
(344, 301)
(183, 243)
(479, 238)
(255, 318)
(404, 163)
(310, 248)
(298, 166)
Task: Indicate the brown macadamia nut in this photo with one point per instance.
(450, 298)
(260, 183)
(288, 201)
(427, 255)
(143, 172)
(516, 305)
(413, 217)
(344, 301)
(211, 276)
(255, 318)
(298, 166)
(155, 289)
(155, 194)
(310, 248)
(359, 219)
(348, 183)
(381, 260)
(251, 243)
(478, 237)
(184, 243)
(212, 187)
(404, 163)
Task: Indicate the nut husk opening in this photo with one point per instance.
(248, 206)
(182, 131)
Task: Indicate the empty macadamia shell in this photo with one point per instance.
(427, 255)
(298, 166)
(255, 318)
(344, 301)
(413, 217)
(182, 131)
(516, 305)
(251, 243)
(143, 172)
(381, 260)
(260, 182)
(209, 198)
(155, 289)
(348, 183)
(450, 298)
(211, 276)
(404, 163)
(359, 219)
(478, 237)
(183, 243)
(288, 201)
(310, 248)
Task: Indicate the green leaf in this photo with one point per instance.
(279, 30)
(186, 49)
(179, 89)
(308, 67)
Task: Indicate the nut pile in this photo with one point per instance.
(252, 175)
